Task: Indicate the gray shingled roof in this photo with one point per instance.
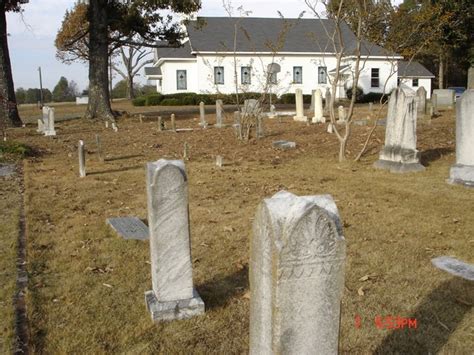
(180, 52)
(413, 70)
(261, 35)
(152, 71)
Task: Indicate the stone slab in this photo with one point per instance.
(184, 129)
(461, 175)
(172, 310)
(396, 167)
(454, 267)
(284, 145)
(7, 170)
(129, 227)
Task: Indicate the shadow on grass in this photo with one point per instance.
(217, 292)
(115, 170)
(432, 155)
(437, 318)
(124, 157)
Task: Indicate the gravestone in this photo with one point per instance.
(327, 101)
(272, 111)
(186, 151)
(297, 258)
(371, 108)
(173, 122)
(299, 106)
(114, 127)
(219, 161)
(237, 124)
(318, 107)
(43, 120)
(173, 295)
(251, 107)
(399, 153)
(341, 114)
(82, 159)
(49, 129)
(470, 78)
(160, 123)
(106, 124)
(421, 96)
(260, 126)
(434, 103)
(311, 106)
(463, 171)
(7, 169)
(129, 227)
(454, 267)
(219, 117)
(99, 147)
(330, 128)
(202, 115)
(444, 97)
(284, 145)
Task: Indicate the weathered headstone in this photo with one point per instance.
(7, 169)
(173, 122)
(129, 227)
(341, 113)
(470, 78)
(50, 129)
(272, 111)
(219, 161)
(43, 121)
(284, 145)
(463, 171)
(454, 267)
(318, 107)
(399, 153)
(299, 106)
(202, 115)
(421, 96)
(219, 117)
(445, 97)
(327, 100)
(82, 159)
(297, 258)
(173, 295)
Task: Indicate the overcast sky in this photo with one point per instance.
(32, 34)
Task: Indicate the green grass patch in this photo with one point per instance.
(13, 151)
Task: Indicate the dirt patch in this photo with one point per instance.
(87, 285)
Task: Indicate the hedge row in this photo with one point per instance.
(190, 98)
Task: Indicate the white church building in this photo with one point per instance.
(220, 49)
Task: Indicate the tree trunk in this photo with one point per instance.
(441, 72)
(342, 149)
(99, 104)
(8, 108)
(130, 92)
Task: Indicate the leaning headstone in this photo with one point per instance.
(173, 122)
(297, 258)
(463, 171)
(299, 106)
(421, 96)
(454, 267)
(50, 129)
(445, 97)
(318, 107)
(202, 115)
(219, 117)
(399, 153)
(82, 159)
(470, 78)
(173, 295)
(129, 227)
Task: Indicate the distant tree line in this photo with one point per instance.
(64, 91)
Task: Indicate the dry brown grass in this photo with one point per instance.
(394, 225)
(9, 217)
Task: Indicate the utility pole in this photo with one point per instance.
(41, 88)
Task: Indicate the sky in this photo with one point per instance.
(32, 33)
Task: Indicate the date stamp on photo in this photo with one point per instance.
(389, 322)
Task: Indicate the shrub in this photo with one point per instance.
(189, 100)
(139, 101)
(170, 102)
(291, 99)
(10, 150)
(374, 97)
(359, 94)
(154, 99)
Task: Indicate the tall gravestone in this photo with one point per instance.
(202, 115)
(318, 107)
(173, 295)
(463, 171)
(43, 121)
(299, 106)
(297, 258)
(219, 118)
(399, 153)
(327, 100)
(50, 128)
(421, 97)
(82, 159)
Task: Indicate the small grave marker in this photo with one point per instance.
(129, 227)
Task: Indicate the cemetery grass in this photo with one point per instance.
(86, 288)
(9, 222)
